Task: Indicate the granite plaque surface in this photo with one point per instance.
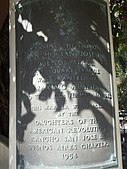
(64, 88)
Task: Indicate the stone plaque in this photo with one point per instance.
(65, 102)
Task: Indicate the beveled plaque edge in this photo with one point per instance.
(115, 95)
(12, 96)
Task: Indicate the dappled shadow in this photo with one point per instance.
(78, 42)
(25, 119)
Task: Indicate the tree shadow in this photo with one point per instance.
(78, 40)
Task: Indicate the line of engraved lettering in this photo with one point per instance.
(47, 131)
(56, 86)
(48, 46)
(88, 69)
(73, 114)
(88, 129)
(68, 63)
(71, 77)
(81, 45)
(81, 53)
(82, 121)
(102, 137)
(54, 122)
(94, 145)
(67, 147)
(51, 107)
(91, 46)
(69, 53)
(48, 54)
(86, 53)
(46, 139)
(76, 107)
(55, 107)
(85, 87)
(36, 108)
(59, 95)
(104, 96)
(84, 106)
(71, 138)
(72, 54)
(93, 121)
(79, 94)
(60, 114)
(90, 137)
(39, 147)
(70, 156)
(61, 70)
(84, 70)
(69, 45)
(62, 62)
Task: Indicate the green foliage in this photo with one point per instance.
(119, 27)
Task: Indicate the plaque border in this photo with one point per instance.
(115, 95)
(12, 97)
